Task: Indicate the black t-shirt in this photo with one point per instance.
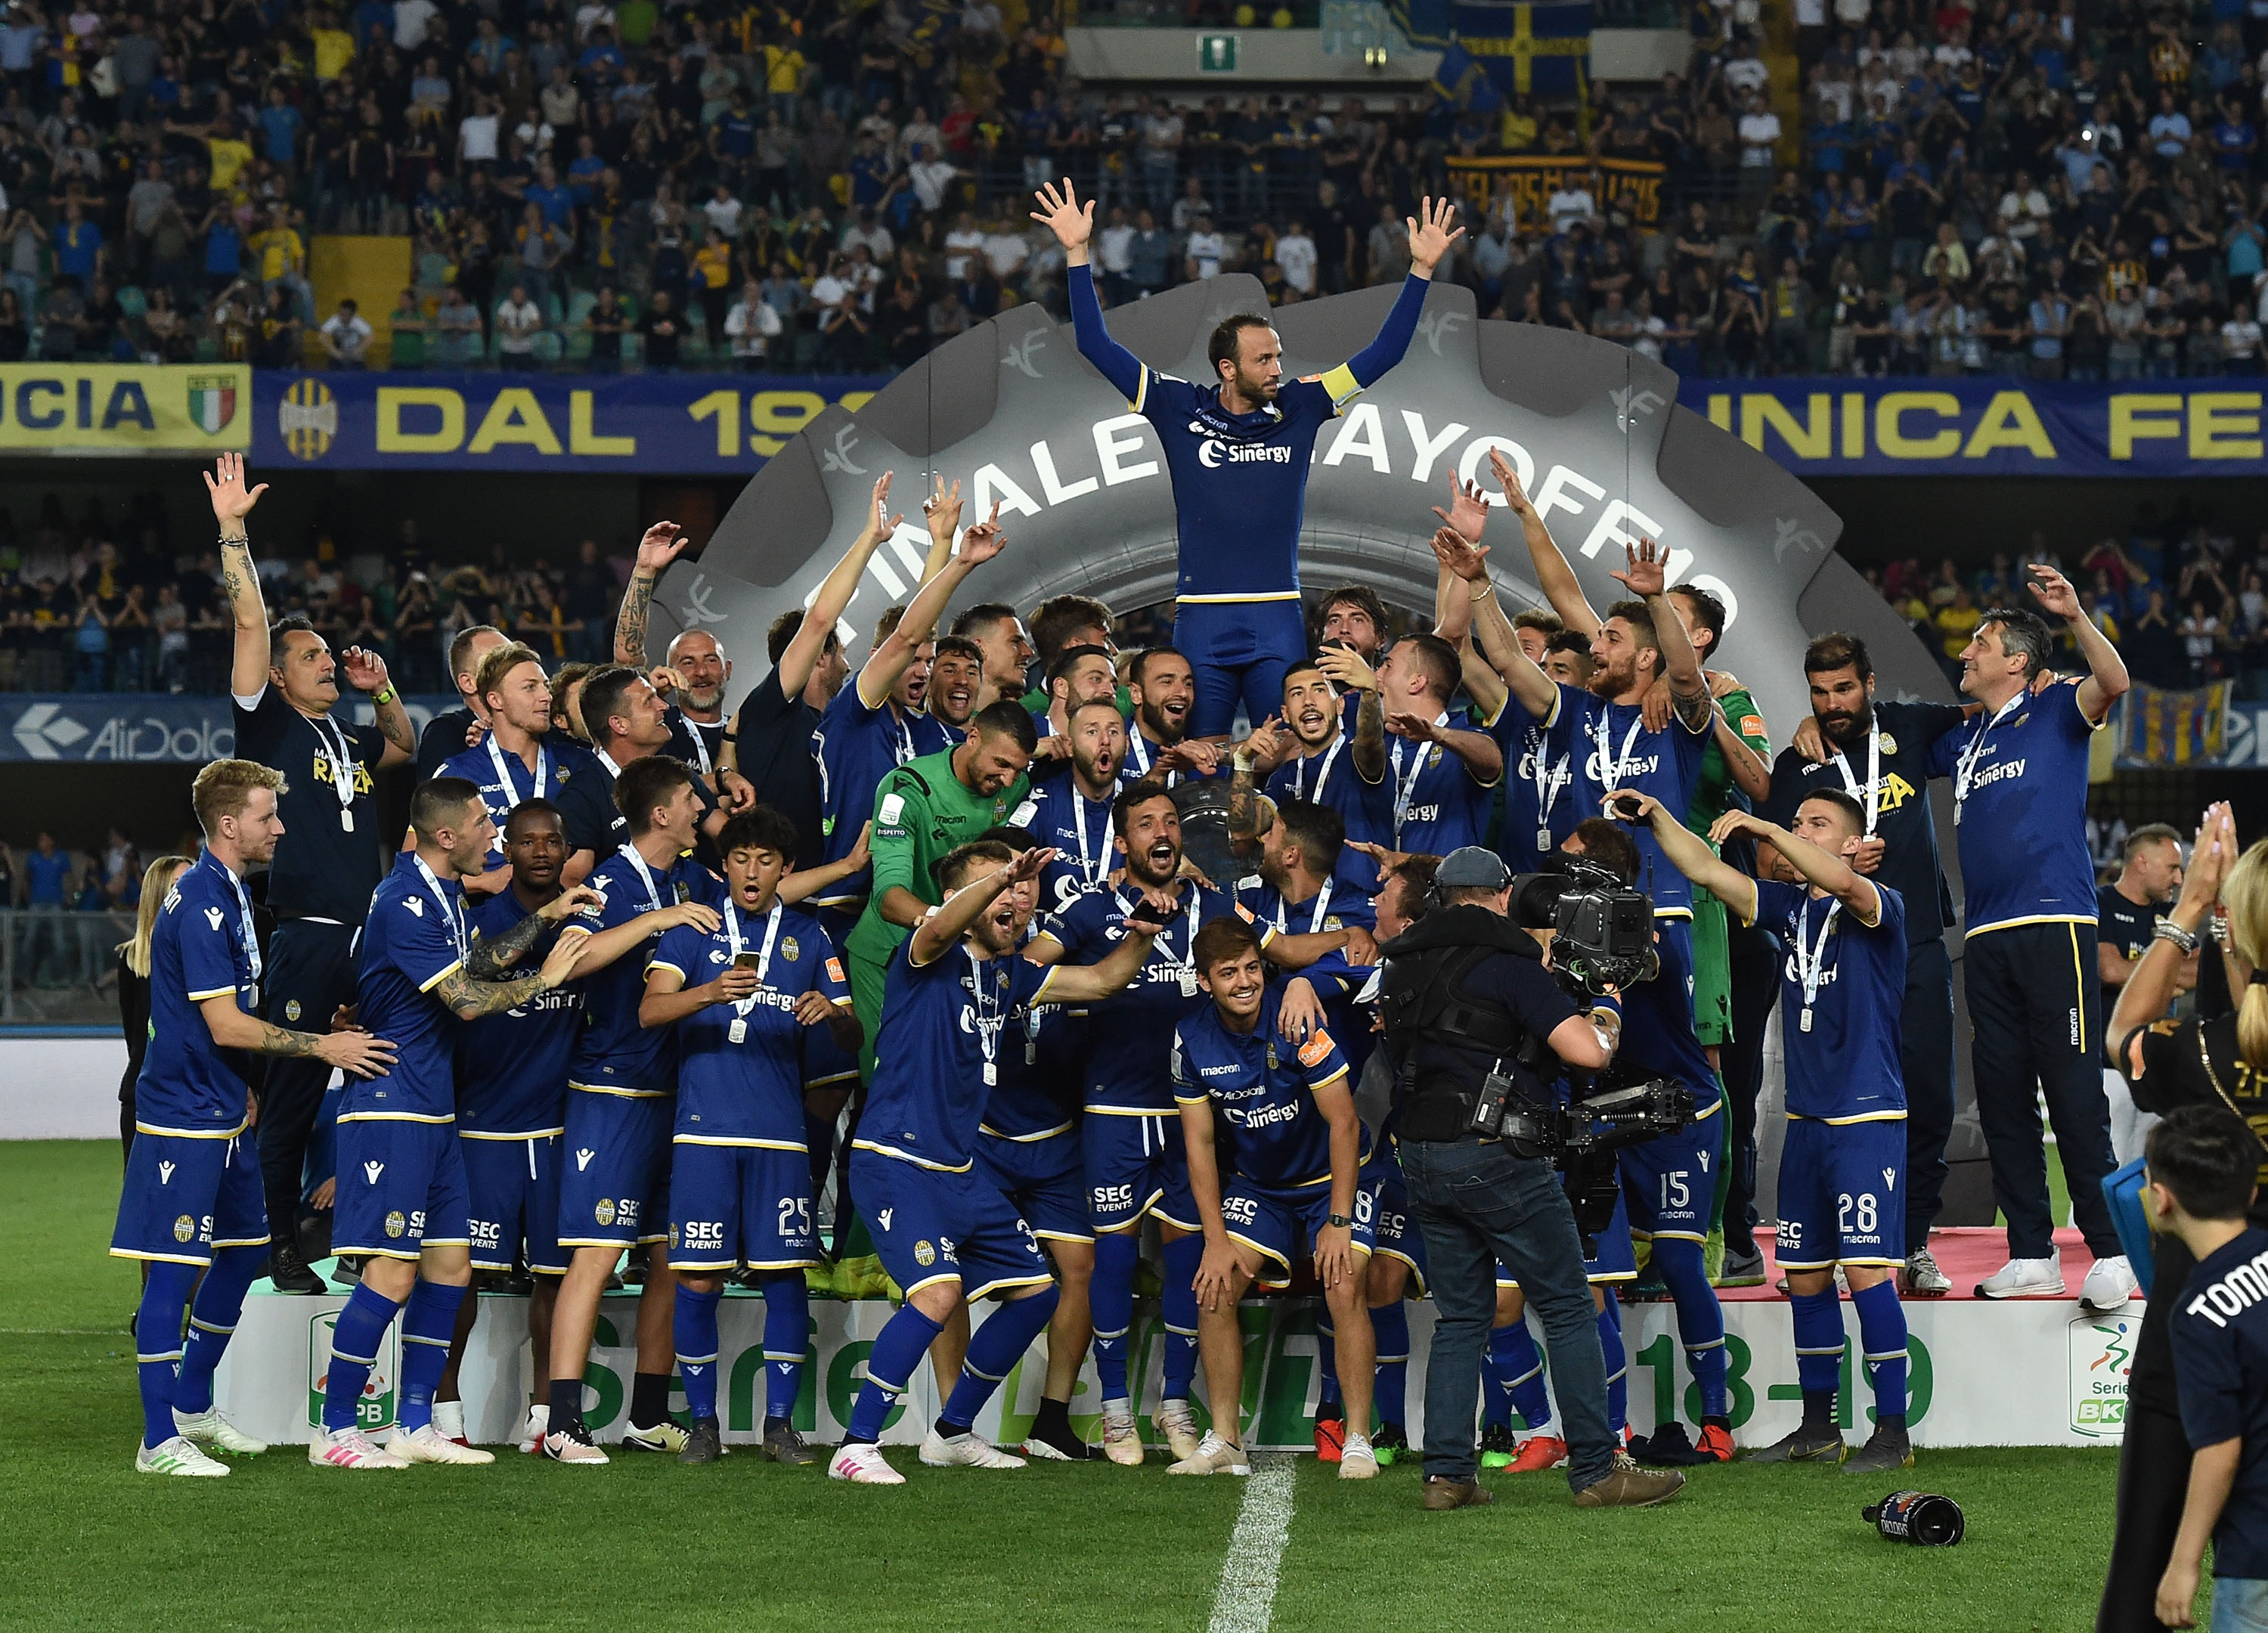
(778, 755)
(443, 739)
(695, 742)
(2176, 1072)
(1902, 822)
(327, 862)
(1521, 986)
(593, 822)
(2128, 928)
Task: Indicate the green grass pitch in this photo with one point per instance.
(644, 1543)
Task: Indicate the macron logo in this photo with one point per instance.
(416, 904)
(885, 1216)
(373, 1169)
(213, 918)
(583, 1159)
(165, 1174)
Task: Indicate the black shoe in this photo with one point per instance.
(1887, 1449)
(518, 1282)
(289, 1273)
(348, 1270)
(704, 1444)
(1388, 1443)
(1497, 1447)
(1805, 1445)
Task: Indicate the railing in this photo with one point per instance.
(58, 966)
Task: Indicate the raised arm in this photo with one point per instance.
(232, 503)
(836, 589)
(1553, 575)
(979, 545)
(2107, 681)
(1073, 225)
(1468, 562)
(2154, 979)
(1430, 237)
(1646, 575)
(1819, 867)
(1346, 670)
(656, 550)
(942, 930)
(1452, 622)
(1091, 983)
(1691, 856)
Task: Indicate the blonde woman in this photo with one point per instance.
(134, 984)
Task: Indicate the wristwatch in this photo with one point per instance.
(1341, 1221)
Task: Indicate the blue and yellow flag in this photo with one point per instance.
(1528, 50)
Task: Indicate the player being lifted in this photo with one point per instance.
(1239, 446)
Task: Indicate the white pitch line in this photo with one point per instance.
(1246, 1599)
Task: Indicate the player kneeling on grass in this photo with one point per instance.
(1842, 1176)
(954, 991)
(740, 1175)
(1293, 1151)
(191, 1201)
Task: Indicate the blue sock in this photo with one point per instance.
(1610, 1345)
(1391, 1323)
(994, 1349)
(787, 1340)
(428, 1322)
(1700, 1317)
(1110, 1296)
(220, 1301)
(158, 1345)
(1515, 1367)
(1882, 1335)
(355, 1338)
(693, 1330)
(1178, 1304)
(898, 1349)
(1818, 1341)
(1329, 1403)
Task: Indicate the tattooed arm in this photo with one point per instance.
(472, 998)
(357, 1052)
(656, 550)
(232, 503)
(490, 958)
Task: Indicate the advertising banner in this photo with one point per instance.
(105, 728)
(124, 408)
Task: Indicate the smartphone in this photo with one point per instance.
(745, 960)
(1628, 807)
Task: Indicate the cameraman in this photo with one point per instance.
(1466, 995)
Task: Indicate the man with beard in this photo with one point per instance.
(1306, 748)
(513, 763)
(1353, 614)
(1079, 674)
(956, 680)
(1160, 749)
(997, 633)
(1430, 790)
(1877, 753)
(696, 662)
(1069, 809)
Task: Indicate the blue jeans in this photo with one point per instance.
(2240, 1605)
(1476, 1205)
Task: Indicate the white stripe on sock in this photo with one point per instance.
(1246, 1599)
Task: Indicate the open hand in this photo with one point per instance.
(1061, 213)
(1458, 552)
(1431, 233)
(231, 500)
(942, 509)
(880, 523)
(660, 546)
(1468, 511)
(983, 541)
(357, 1052)
(1647, 573)
(2053, 592)
(366, 670)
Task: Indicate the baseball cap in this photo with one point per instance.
(1471, 867)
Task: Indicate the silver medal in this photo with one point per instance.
(1804, 1024)
(738, 1032)
(346, 818)
(1543, 839)
(1188, 981)
(992, 1074)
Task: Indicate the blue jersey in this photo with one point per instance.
(1264, 1086)
(1068, 821)
(1615, 750)
(415, 938)
(512, 1066)
(748, 1090)
(2220, 1358)
(1038, 1071)
(201, 947)
(943, 1024)
(1540, 760)
(1129, 1034)
(1326, 777)
(1844, 1066)
(616, 1056)
(858, 747)
(504, 779)
(1428, 801)
(2019, 810)
(1240, 480)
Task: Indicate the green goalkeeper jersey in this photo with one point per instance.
(921, 813)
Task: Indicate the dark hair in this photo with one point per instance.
(983, 615)
(1221, 345)
(2208, 1157)
(785, 629)
(1303, 665)
(1222, 940)
(1415, 873)
(1708, 611)
(1318, 830)
(602, 698)
(1839, 650)
(1071, 655)
(1111, 703)
(1144, 658)
(1853, 812)
(439, 803)
(1056, 620)
(951, 868)
(535, 808)
(762, 828)
(291, 624)
(2148, 834)
(1608, 845)
(1009, 719)
(1017, 838)
(1568, 641)
(1353, 595)
(1442, 666)
(2022, 634)
(647, 782)
(1639, 617)
(1133, 796)
(960, 646)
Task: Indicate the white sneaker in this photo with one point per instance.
(531, 1433)
(667, 1435)
(209, 1429)
(449, 1420)
(1179, 1424)
(1356, 1460)
(348, 1448)
(2109, 1284)
(2024, 1278)
(863, 1464)
(429, 1444)
(563, 1447)
(1121, 1436)
(965, 1452)
(1215, 1456)
(177, 1456)
(1923, 1278)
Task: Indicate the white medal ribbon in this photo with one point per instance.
(1405, 787)
(1322, 772)
(337, 750)
(700, 745)
(652, 890)
(1137, 750)
(450, 910)
(1550, 780)
(1188, 971)
(1322, 911)
(542, 774)
(1090, 868)
(739, 1031)
(1873, 797)
(1611, 770)
(987, 1027)
(1964, 774)
(1811, 963)
(245, 933)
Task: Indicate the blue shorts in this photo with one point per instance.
(1616, 1260)
(1842, 1195)
(186, 1198)
(1670, 1183)
(1238, 649)
(614, 1186)
(401, 1189)
(1043, 1178)
(511, 1189)
(929, 1226)
(1280, 1224)
(1135, 1166)
(730, 1205)
(1393, 1228)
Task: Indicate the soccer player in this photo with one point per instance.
(402, 1204)
(1429, 791)
(1159, 746)
(1352, 614)
(739, 1177)
(1877, 750)
(695, 660)
(2019, 776)
(1293, 1149)
(615, 1194)
(512, 762)
(1842, 1169)
(628, 720)
(956, 680)
(2126, 915)
(1079, 674)
(1306, 746)
(191, 1202)
(449, 732)
(285, 685)
(994, 628)
(1069, 809)
(958, 993)
(1239, 447)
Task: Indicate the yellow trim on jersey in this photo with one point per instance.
(851, 1076)
(534, 1134)
(217, 992)
(769, 1146)
(1141, 397)
(193, 1134)
(1705, 1115)
(949, 1275)
(260, 1240)
(974, 1293)
(1327, 1082)
(1845, 1123)
(1341, 384)
(2037, 918)
(1064, 1236)
(159, 1258)
(881, 1150)
(1023, 1139)
(396, 1116)
(428, 986)
(655, 964)
(1676, 913)
(1269, 595)
(621, 1094)
(1166, 1115)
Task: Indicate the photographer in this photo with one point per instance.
(1467, 996)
